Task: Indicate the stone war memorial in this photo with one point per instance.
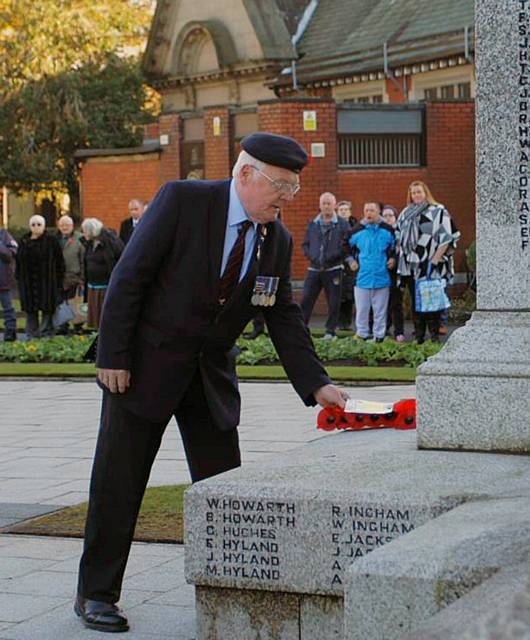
(389, 535)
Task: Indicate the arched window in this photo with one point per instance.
(197, 53)
(203, 47)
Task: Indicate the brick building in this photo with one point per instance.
(381, 92)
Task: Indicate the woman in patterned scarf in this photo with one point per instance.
(425, 234)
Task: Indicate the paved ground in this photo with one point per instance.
(47, 439)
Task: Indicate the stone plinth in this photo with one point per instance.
(389, 593)
(282, 534)
(498, 609)
(473, 395)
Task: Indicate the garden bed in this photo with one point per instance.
(341, 352)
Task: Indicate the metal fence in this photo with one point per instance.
(390, 150)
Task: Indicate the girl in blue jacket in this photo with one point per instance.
(372, 244)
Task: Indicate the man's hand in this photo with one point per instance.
(116, 380)
(354, 265)
(391, 263)
(331, 396)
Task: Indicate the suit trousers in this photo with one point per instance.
(331, 282)
(126, 448)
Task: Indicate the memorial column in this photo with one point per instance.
(475, 394)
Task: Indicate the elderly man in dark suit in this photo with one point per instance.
(127, 227)
(206, 256)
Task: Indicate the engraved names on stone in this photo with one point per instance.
(359, 529)
(522, 7)
(249, 540)
(243, 537)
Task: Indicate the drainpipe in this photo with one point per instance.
(388, 74)
(293, 73)
(467, 54)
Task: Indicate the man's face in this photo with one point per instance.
(261, 198)
(327, 205)
(135, 209)
(66, 227)
(371, 212)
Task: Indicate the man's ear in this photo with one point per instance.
(245, 173)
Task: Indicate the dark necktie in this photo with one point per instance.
(232, 270)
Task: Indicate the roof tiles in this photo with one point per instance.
(348, 35)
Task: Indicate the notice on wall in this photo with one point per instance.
(216, 123)
(310, 120)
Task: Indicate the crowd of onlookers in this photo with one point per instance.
(61, 275)
(364, 264)
(370, 262)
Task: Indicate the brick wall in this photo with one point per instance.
(286, 118)
(450, 172)
(451, 163)
(151, 131)
(395, 89)
(170, 124)
(108, 183)
(217, 148)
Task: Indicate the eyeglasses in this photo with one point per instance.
(36, 224)
(280, 185)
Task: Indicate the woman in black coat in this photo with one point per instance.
(40, 272)
(103, 249)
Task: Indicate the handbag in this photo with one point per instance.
(430, 293)
(79, 307)
(63, 314)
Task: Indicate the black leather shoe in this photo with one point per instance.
(101, 616)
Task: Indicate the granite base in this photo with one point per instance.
(473, 395)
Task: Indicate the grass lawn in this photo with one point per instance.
(339, 373)
(245, 372)
(48, 369)
(161, 518)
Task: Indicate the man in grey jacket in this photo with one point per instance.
(325, 246)
(73, 254)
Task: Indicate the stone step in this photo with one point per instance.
(391, 591)
(499, 605)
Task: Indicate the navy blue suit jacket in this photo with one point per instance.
(161, 318)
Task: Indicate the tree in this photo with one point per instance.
(68, 85)
(44, 122)
(49, 37)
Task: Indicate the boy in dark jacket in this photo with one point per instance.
(8, 252)
(372, 246)
(326, 246)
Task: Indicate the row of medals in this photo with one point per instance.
(263, 299)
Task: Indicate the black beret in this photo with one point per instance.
(279, 151)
